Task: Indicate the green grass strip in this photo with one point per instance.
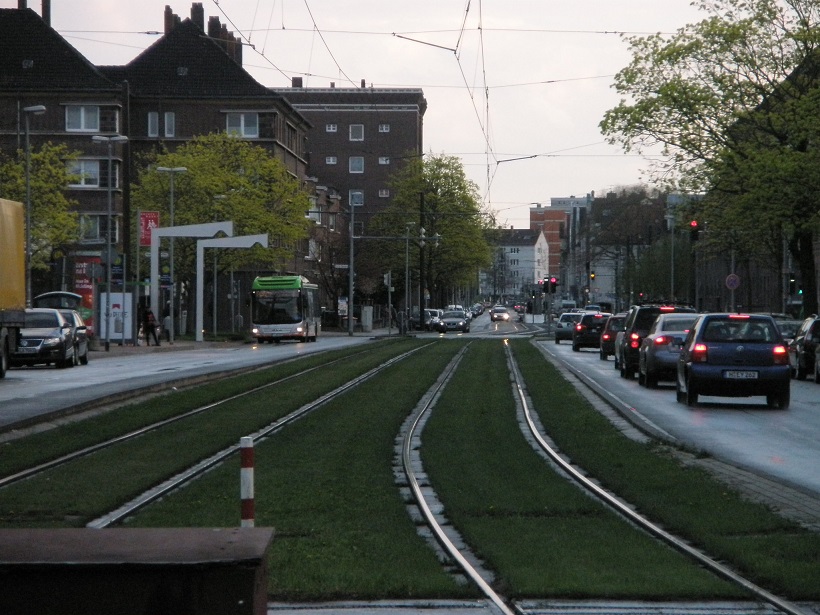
(326, 485)
(73, 494)
(38, 448)
(776, 553)
(542, 536)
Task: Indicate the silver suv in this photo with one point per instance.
(566, 325)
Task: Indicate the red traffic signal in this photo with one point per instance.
(694, 230)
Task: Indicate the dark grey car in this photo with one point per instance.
(80, 334)
(48, 338)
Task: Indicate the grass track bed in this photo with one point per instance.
(775, 553)
(542, 536)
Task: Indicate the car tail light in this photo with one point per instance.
(579, 327)
(662, 340)
(739, 316)
(635, 340)
(781, 355)
(700, 353)
(606, 337)
(667, 308)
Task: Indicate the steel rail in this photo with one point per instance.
(58, 461)
(619, 506)
(421, 502)
(197, 470)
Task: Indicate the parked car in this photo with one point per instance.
(80, 334)
(47, 338)
(499, 312)
(660, 348)
(566, 325)
(638, 321)
(734, 355)
(614, 324)
(454, 320)
(788, 328)
(803, 349)
(587, 331)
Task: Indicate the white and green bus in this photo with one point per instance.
(285, 308)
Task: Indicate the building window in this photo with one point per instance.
(331, 160)
(243, 124)
(384, 193)
(384, 127)
(94, 228)
(170, 124)
(331, 222)
(357, 132)
(356, 164)
(356, 197)
(384, 160)
(84, 173)
(153, 124)
(331, 128)
(82, 118)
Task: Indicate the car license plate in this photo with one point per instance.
(740, 375)
(31, 350)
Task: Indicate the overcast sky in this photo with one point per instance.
(503, 78)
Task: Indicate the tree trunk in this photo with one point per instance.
(801, 246)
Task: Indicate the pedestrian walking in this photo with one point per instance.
(150, 326)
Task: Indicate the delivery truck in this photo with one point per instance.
(12, 278)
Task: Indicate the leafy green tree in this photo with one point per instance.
(434, 194)
(54, 224)
(226, 179)
(733, 101)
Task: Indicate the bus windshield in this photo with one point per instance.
(277, 307)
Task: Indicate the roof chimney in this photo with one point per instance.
(171, 20)
(22, 4)
(363, 84)
(296, 82)
(332, 84)
(198, 15)
(46, 12)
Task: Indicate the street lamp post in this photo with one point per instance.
(670, 219)
(110, 141)
(172, 171)
(406, 319)
(28, 111)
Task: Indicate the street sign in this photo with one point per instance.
(732, 281)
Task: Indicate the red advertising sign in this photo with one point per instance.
(148, 221)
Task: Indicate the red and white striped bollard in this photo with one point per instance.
(246, 481)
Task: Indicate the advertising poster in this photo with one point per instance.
(148, 220)
(85, 270)
(120, 320)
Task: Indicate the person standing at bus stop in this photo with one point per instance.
(150, 326)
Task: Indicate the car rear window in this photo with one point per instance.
(678, 323)
(740, 330)
(41, 321)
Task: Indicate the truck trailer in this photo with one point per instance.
(12, 279)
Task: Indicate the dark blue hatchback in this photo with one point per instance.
(734, 355)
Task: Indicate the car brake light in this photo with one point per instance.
(700, 353)
(781, 355)
(606, 336)
(661, 340)
(742, 316)
(579, 327)
(667, 308)
(635, 340)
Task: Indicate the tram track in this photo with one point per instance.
(447, 538)
(203, 466)
(67, 458)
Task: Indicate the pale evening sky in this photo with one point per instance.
(504, 79)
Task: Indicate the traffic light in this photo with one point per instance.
(553, 283)
(422, 236)
(694, 230)
(592, 275)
